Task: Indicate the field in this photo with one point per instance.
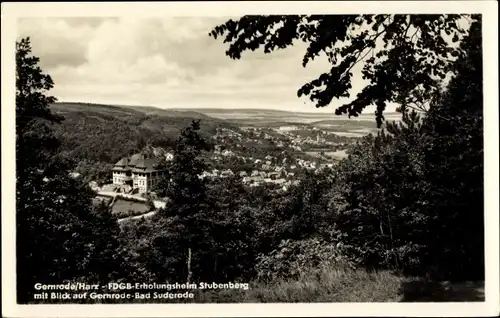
(338, 155)
(341, 154)
(351, 127)
(123, 208)
(263, 117)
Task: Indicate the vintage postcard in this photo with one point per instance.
(233, 159)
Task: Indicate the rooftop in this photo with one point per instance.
(136, 163)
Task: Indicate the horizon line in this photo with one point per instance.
(216, 108)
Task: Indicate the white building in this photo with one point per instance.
(227, 153)
(137, 172)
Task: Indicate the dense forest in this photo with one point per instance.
(407, 203)
(96, 136)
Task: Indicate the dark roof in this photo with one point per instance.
(137, 163)
(135, 159)
(146, 165)
(123, 162)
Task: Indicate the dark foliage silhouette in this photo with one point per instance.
(404, 56)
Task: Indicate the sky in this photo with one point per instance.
(168, 63)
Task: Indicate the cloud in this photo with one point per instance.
(56, 41)
(170, 62)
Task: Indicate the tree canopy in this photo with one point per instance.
(405, 57)
(411, 197)
(61, 236)
(408, 199)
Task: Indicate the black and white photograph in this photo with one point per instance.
(246, 156)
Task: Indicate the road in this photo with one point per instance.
(146, 215)
(125, 195)
(157, 203)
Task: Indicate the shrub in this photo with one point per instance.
(295, 258)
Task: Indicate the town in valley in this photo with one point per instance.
(269, 153)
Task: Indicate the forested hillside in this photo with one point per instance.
(400, 219)
(97, 136)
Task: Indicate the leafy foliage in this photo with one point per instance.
(186, 218)
(404, 56)
(411, 198)
(60, 235)
(294, 259)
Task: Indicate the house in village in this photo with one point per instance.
(226, 173)
(243, 173)
(274, 175)
(75, 175)
(266, 167)
(227, 153)
(169, 156)
(207, 174)
(137, 172)
(253, 181)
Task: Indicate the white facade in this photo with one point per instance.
(144, 181)
(136, 172)
(121, 177)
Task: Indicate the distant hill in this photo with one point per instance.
(262, 111)
(105, 133)
(96, 135)
(273, 117)
(117, 110)
(259, 111)
(149, 110)
(346, 125)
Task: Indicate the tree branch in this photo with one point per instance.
(370, 41)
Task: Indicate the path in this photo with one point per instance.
(157, 203)
(145, 215)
